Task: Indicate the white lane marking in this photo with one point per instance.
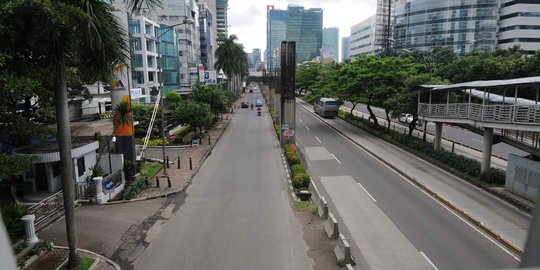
(308, 128)
(318, 139)
(428, 260)
(477, 140)
(336, 159)
(373, 199)
(300, 120)
(423, 191)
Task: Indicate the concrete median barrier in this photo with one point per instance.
(343, 252)
(322, 209)
(331, 227)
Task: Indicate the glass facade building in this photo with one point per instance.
(170, 62)
(305, 27)
(276, 31)
(464, 25)
(330, 43)
(345, 48)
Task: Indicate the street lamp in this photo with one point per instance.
(160, 81)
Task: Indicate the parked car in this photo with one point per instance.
(406, 118)
(244, 105)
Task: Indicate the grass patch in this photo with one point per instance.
(150, 169)
(84, 265)
(307, 206)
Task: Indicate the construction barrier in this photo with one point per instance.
(331, 227)
(322, 209)
(343, 251)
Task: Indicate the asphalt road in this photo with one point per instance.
(446, 240)
(237, 214)
(462, 136)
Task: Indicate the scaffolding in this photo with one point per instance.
(384, 25)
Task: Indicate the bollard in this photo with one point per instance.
(168, 166)
(169, 181)
(331, 227)
(453, 145)
(209, 139)
(30, 229)
(343, 251)
(322, 210)
(178, 162)
(157, 181)
(190, 164)
(146, 181)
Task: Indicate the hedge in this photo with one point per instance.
(462, 166)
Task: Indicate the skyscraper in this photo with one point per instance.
(276, 31)
(345, 48)
(330, 43)
(305, 27)
(222, 21)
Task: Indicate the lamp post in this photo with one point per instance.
(160, 81)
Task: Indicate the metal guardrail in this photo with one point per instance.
(47, 207)
(501, 113)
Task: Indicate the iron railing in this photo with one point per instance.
(501, 113)
(48, 207)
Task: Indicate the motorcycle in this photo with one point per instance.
(259, 112)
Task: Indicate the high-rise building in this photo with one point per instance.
(519, 24)
(221, 16)
(363, 38)
(345, 48)
(174, 13)
(208, 36)
(465, 26)
(144, 53)
(304, 26)
(257, 61)
(330, 43)
(276, 32)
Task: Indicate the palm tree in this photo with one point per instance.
(231, 59)
(81, 33)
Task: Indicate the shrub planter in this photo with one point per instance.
(303, 194)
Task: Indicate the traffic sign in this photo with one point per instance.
(288, 133)
(172, 137)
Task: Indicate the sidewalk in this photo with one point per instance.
(495, 217)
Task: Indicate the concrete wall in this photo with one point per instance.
(523, 177)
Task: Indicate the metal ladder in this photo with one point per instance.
(150, 126)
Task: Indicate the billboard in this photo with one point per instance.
(210, 77)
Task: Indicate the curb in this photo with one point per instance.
(182, 189)
(92, 253)
(437, 196)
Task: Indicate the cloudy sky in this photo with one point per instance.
(247, 18)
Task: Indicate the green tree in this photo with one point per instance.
(232, 59)
(195, 114)
(213, 96)
(54, 35)
(13, 165)
(406, 101)
(172, 98)
(307, 75)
